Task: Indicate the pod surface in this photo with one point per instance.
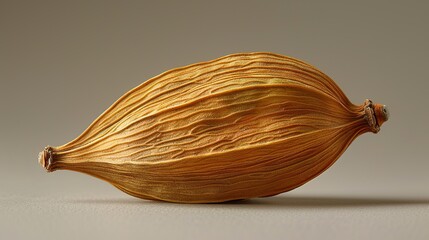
(241, 126)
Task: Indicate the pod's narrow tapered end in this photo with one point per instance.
(45, 158)
(381, 113)
(375, 114)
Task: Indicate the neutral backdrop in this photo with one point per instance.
(62, 63)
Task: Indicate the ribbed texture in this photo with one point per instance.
(241, 126)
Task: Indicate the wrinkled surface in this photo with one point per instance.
(241, 126)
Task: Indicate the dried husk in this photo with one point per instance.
(241, 126)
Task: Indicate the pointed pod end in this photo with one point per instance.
(376, 115)
(381, 113)
(45, 158)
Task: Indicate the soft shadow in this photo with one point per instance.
(111, 201)
(281, 201)
(284, 201)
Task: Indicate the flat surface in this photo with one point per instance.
(62, 63)
(288, 216)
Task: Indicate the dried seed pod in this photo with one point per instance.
(241, 126)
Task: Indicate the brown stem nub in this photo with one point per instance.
(381, 113)
(46, 158)
(375, 114)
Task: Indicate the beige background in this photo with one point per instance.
(62, 63)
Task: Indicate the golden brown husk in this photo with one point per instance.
(241, 126)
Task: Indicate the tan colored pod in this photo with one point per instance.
(241, 126)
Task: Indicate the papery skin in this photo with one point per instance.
(241, 126)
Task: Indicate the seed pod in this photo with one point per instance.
(241, 126)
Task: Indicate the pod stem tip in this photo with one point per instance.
(46, 158)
